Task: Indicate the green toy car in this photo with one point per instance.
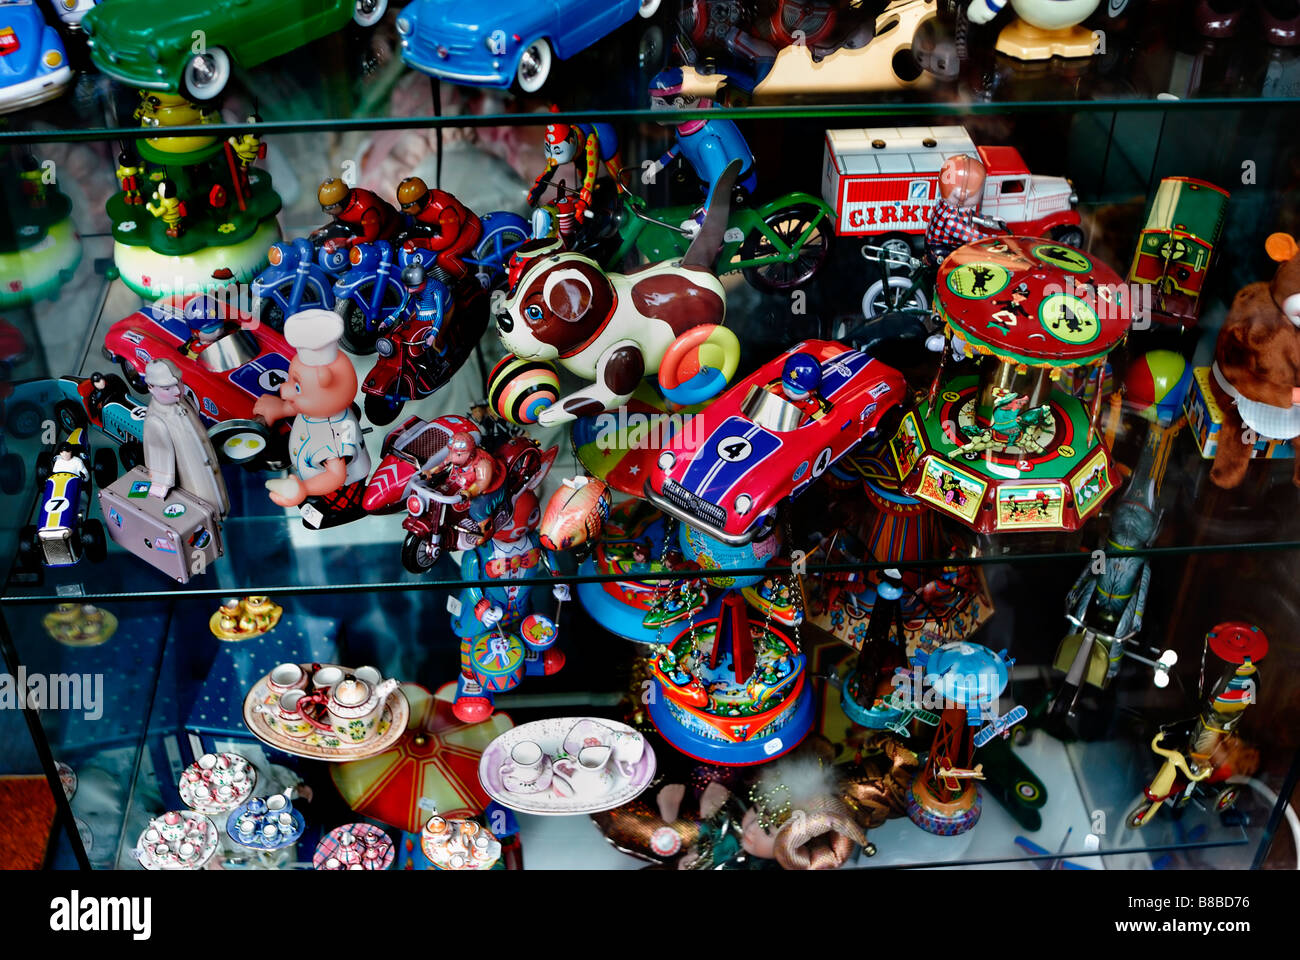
(190, 48)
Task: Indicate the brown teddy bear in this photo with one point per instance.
(1256, 374)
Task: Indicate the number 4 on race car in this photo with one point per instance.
(735, 449)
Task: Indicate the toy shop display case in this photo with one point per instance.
(1067, 786)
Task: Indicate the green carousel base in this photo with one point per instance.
(39, 271)
(152, 274)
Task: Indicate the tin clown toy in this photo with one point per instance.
(501, 639)
(328, 459)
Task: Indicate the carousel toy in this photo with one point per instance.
(938, 604)
(635, 542)
(968, 679)
(244, 619)
(39, 245)
(1006, 449)
(730, 690)
(193, 213)
(1212, 752)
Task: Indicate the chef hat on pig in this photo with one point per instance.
(315, 335)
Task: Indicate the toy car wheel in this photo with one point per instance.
(369, 12)
(893, 297)
(205, 75)
(12, 473)
(789, 223)
(71, 416)
(534, 66)
(266, 311)
(133, 378)
(1140, 815)
(24, 420)
(381, 411)
(418, 553)
(44, 465)
(1227, 799)
(105, 468)
(131, 454)
(650, 50)
(648, 8)
(92, 540)
(1071, 236)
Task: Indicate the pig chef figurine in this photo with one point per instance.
(177, 451)
(326, 450)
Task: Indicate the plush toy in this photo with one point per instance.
(1256, 374)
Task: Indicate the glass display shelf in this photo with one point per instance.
(1152, 54)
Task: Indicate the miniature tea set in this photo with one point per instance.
(326, 712)
(567, 766)
(459, 844)
(244, 619)
(216, 783)
(266, 823)
(177, 840)
(355, 846)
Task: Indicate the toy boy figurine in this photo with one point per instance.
(709, 146)
(360, 216)
(329, 460)
(800, 378)
(952, 223)
(67, 461)
(177, 451)
(129, 171)
(168, 207)
(439, 223)
(511, 559)
(476, 475)
(586, 146)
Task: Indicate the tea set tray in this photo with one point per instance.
(549, 735)
(319, 745)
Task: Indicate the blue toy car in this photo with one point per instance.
(33, 64)
(509, 41)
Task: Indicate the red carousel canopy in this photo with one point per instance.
(1033, 301)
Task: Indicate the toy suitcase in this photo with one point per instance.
(179, 534)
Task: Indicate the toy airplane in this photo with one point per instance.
(952, 776)
(1001, 725)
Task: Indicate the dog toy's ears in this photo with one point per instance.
(1281, 247)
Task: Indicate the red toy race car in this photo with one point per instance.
(752, 448)
(224, 374)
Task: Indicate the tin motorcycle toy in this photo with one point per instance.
(465, 493)
(424, 344)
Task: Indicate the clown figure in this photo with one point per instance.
(501, 638)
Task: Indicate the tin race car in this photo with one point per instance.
(114, 412)
(756, 449)
(33, 64)
(495, 44)
(224, 378)
(151, 43)
(63, 533)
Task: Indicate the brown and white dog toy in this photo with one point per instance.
(612, 328)
(1256, 374)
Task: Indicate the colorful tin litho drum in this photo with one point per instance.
(497, 661)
